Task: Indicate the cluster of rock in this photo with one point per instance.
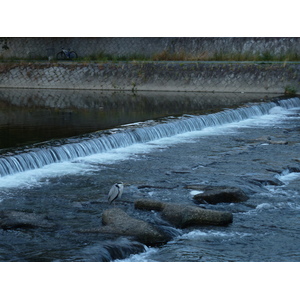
(117, 222)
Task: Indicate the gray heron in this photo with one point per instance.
(115, 192)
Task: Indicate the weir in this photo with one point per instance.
(101, 142)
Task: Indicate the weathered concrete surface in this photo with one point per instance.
(153, 76)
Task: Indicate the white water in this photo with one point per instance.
(194, 235)
(286, 177)
(254, 116)
(285, 198)
(195, 192)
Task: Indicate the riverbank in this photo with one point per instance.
(154, 76)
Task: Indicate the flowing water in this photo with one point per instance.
(156, 144)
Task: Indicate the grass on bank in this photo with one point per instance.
(223, 56)
(182, 56)
(174, 56)
(290, 90)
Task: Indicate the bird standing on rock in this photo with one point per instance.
(115, 192)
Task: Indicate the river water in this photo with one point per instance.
(62, 150)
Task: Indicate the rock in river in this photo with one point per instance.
(11, 219)
(217, 194)
(182, 216)
(149, 204)
(118, 222)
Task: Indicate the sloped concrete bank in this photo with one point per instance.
(154, 76)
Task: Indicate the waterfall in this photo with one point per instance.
(101, 142)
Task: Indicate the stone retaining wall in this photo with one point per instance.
(153, 76)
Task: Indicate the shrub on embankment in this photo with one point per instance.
(155, 48)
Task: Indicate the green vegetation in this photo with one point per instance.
(290, 90)
(265, 56)
(175, 56)
(104, 57)
(222, 56)
(165, 55)
(18, 59)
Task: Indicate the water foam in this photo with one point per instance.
(195, 192)
(147, 255)
(141, 257)
(286, 176)
(196, 234)
(265, 207)
(89, 154)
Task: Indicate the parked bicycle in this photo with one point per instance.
(66, 54)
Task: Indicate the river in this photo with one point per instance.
(61, 151)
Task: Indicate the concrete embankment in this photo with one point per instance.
(154, 76)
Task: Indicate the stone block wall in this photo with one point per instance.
(153, 76)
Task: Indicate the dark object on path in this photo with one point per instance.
(66, 54)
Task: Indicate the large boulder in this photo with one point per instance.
(182, 216)
(218, 194)
(11, 219)
(118, 222)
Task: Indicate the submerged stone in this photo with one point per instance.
(295, 169)
(11, 219)
(218, 194)
(264, 180)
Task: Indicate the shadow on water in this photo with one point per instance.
(30, 116)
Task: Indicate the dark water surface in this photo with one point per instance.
(30, 116)
(250, 153)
